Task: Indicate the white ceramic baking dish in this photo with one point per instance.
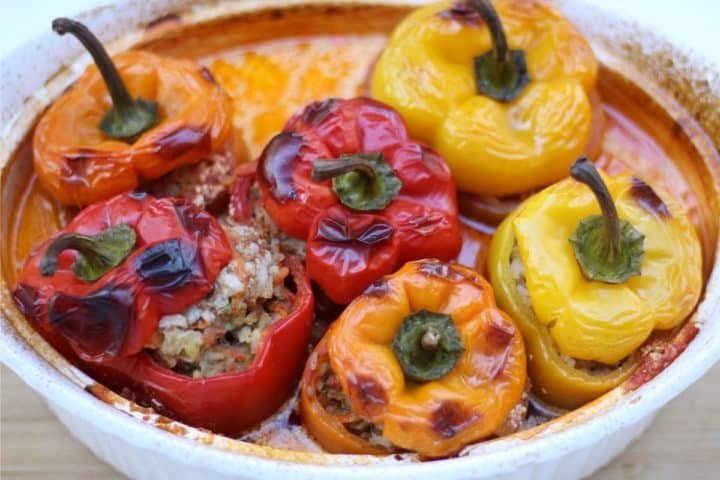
(142, 444)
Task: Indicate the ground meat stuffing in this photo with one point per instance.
(517, 415)
(517, 270)
(206, 183)
(222, 332)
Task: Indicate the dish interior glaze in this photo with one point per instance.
(274, 61)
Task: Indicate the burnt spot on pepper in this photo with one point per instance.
(499, 333)
(442, 270)
(450, 418)
(463, 13)
(316, 112)
(369, 230)
(646, 197)
(193, 219)
(368, 392)
(182, 140)
(379, 288)
(168, 265)
(25, 298)
(97, 323)
(207, 75)
(163, 21)
(276, 165)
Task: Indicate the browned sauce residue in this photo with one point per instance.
(450, 418)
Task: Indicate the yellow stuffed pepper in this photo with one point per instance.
(588, 268)
(503, 93)
(422, 361)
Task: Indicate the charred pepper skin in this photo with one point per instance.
(494, 147)
(567, 314)
(348, 248)
(178, 253)
(78, 164)
(437, 417)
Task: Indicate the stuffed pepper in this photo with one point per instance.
(423, 361)
(588, 268)
(207, 321)
(345, 178)
(503, 90)
(130, 121)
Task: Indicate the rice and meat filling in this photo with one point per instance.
(222, 332)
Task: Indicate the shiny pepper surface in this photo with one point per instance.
(439, 416)
(348, 247)
(174, 254)
(564, 314)
(493, 147)
(78, 164)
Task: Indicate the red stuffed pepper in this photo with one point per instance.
(209, 320)
(345, 177)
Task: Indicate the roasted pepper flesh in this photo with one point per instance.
(493, 148)
(437, 417)
(565, 317)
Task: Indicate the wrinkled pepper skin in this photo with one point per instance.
(437, 417)
(493, 148)
(78, 164)
(327, 428)
(349, 249)
(115, 316)
(233, 402)
(571, 316)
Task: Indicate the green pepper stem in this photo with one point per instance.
(585, 172)
(431, 338)
(327, 169)
(128, 118)
(497, 32)
(121, 98)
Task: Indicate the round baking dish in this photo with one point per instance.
(684, 92)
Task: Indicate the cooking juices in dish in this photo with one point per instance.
(208, 317)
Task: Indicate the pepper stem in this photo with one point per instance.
(327, 169)
(427, 346)
(431, 338)
(585, 172)
(96, 254)
(361, 181)
(501, 73)
(607, 248)
(128, 117)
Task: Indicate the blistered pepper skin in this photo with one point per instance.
(589, 320)
(493, 148)
(438, 417)
(348, 249)
(78, 164)
(115, 316)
